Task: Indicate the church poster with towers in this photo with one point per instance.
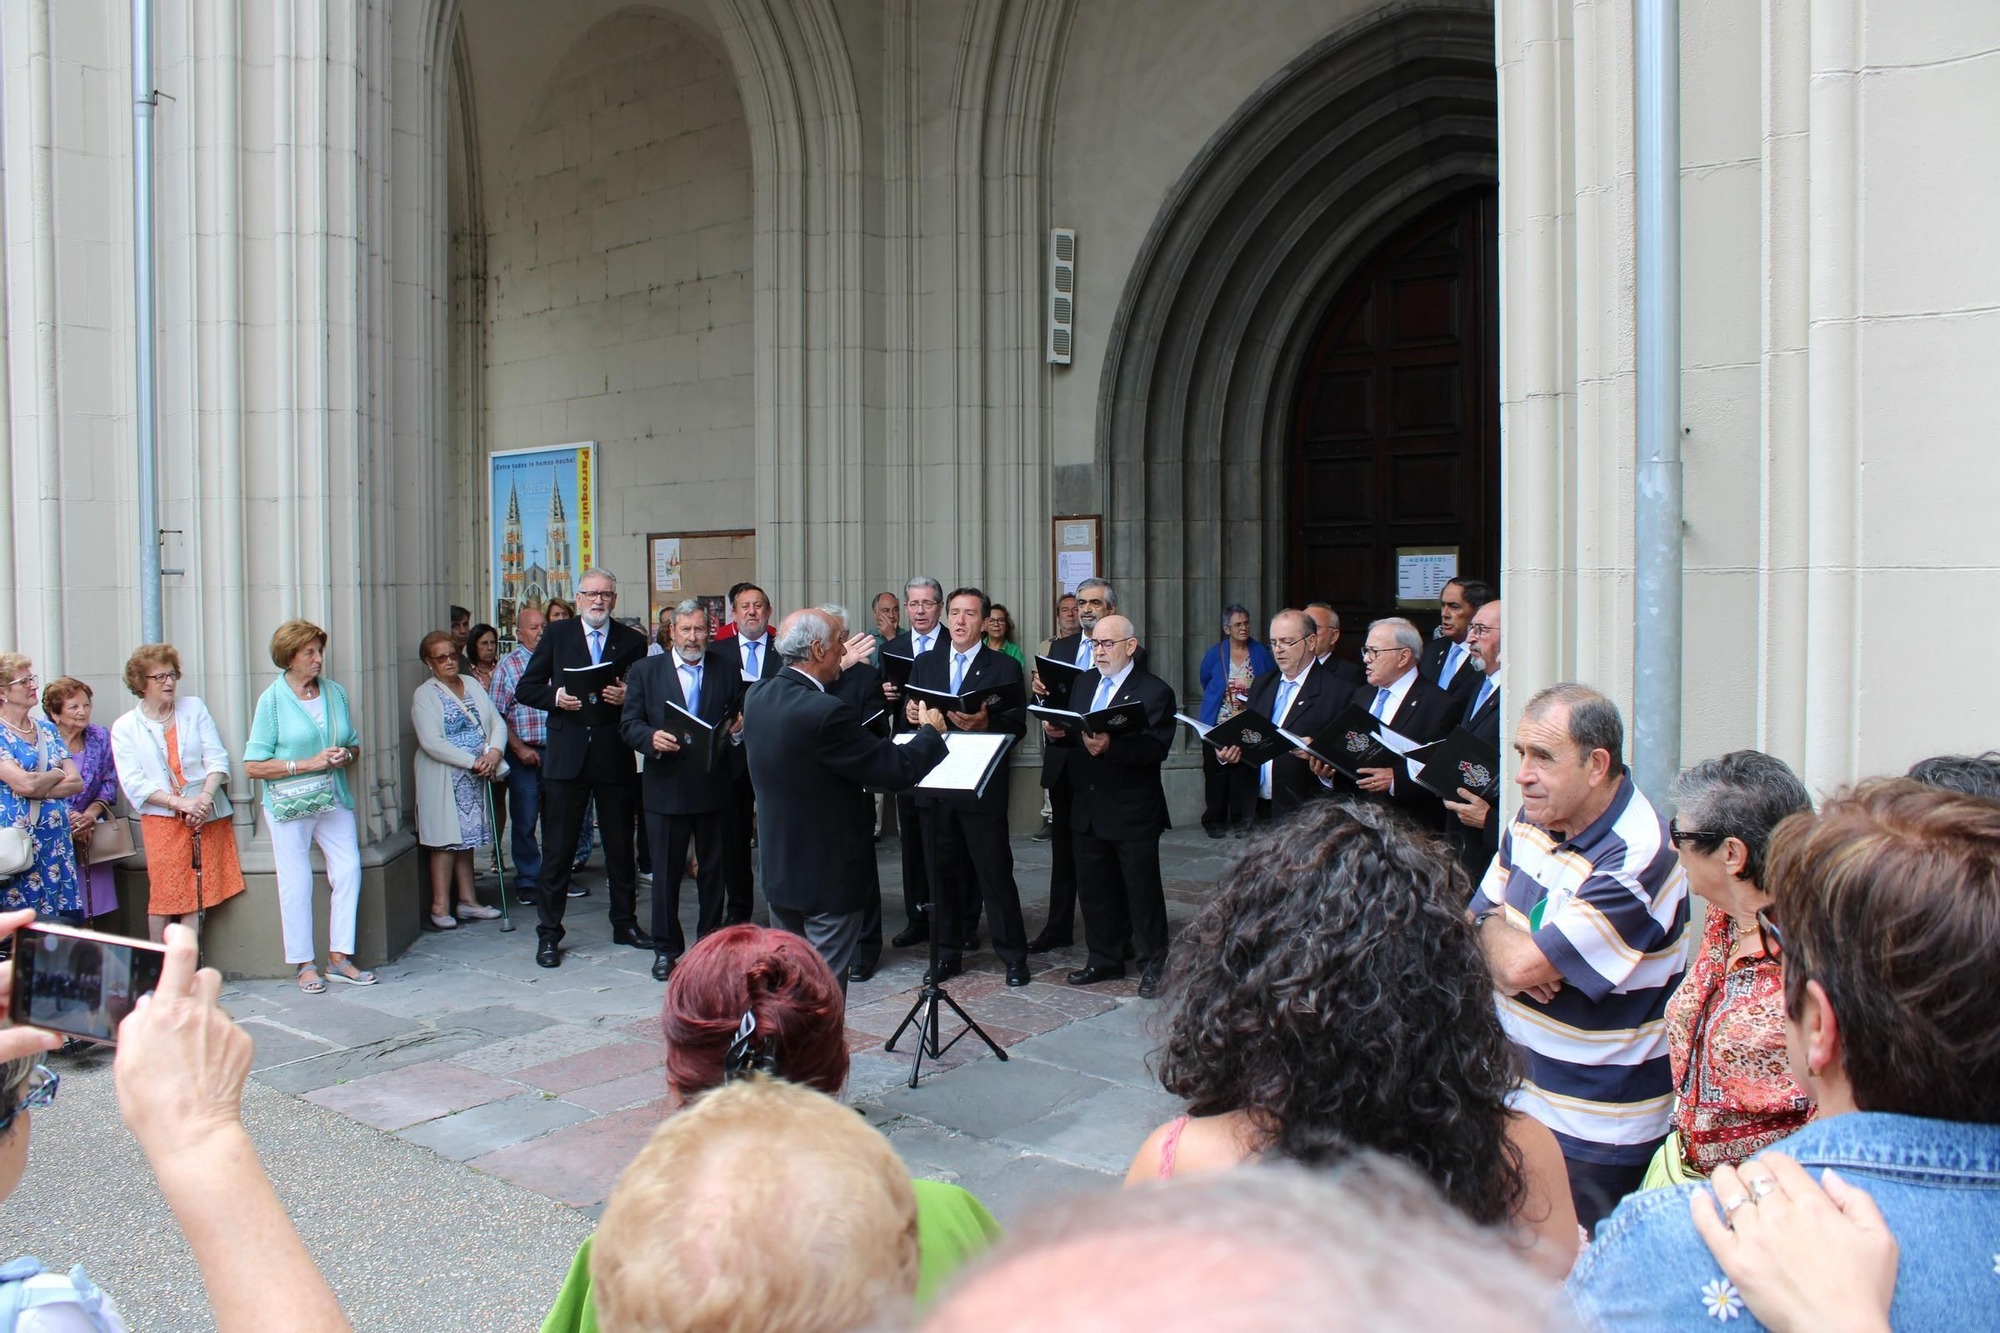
(542, 507)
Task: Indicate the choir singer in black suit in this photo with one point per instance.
(965, 843)
(813, 762)
(1304, 698)
(1398, 696)
(1118, 809)
(585, 762)
(923, 598)
(685, 801)
(1471, 824)
(751, 649)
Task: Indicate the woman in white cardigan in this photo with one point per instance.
(459, 738)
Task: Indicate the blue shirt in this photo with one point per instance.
(1937, 1183)
(1594, 1059)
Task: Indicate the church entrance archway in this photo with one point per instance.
(1396, 438)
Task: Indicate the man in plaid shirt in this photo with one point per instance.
(527, 734)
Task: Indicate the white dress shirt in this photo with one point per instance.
(810, 679)
(922, 641)
(1397, 693)
(743, 653)
(1116, 682)
(1298, 686)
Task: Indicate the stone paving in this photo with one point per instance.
(551, 1080)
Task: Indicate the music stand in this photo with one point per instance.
(932, 991)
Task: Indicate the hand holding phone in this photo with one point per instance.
(181, 1060)
(80, 982)
(16, 1042)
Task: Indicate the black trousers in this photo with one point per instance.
(974, 864)
(739, 877)
(563, 803)
(1062, 863)
(1229, 791)
(671, 835)
(916, 874)
(868, 948)
(1124, 903)
(1596, 1188)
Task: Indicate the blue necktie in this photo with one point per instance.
(1103, 695)
(596, 646)
(753, 646)
(1381, 702)
(958, 674)
(691, 687)
(1286, 688)
(1454, 657)
(1486, 689)
(1084, 653)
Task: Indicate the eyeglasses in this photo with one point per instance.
(435, 658)
(1478, 631)
(1768, 933)
(28, 679)
(158, 677)
(1370, 654)
(42, 1085)
(1678, 835)
(921, 603)
(598, 592)
(1096, 644)
(1287, 643)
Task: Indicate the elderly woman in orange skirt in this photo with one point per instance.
(172, 766)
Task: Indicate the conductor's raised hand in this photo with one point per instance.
(856, 649)
(16, 1042)
(665, 742)
(181, 1060)
(931, 718)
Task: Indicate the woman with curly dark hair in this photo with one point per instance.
(1336, 1000)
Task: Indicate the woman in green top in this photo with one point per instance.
(751, 1000)
(302, 742)
(1000, 635)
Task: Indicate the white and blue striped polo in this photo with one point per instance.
(1594, 1058)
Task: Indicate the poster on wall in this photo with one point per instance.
(542, 505)
(700, 565)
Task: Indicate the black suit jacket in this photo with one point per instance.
(1426, 714)
(933, 672)
(575, 750)
(1320, 699)
(812, 763)
(679, 783)
(860, 688)
(1344, 673)
(1064, 650)
(1477, 846)
(1464, 681)
(904, 645)
(1117, 795)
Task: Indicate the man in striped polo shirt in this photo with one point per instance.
(1583, 918)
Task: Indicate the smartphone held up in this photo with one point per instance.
(80, 982)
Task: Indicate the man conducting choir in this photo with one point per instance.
(1118, 810)
(812, 762)
(685, 790)
(965, 843)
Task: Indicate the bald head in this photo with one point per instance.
(1112, 644)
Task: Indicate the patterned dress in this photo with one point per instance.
(465, 730)
(51, 885)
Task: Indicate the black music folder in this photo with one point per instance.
(1459, 760)
(1116, 720)
(587, 685)
(1057, 675)
(1351, 744)
(999, 698)
(1262, 739)
(896, 668)
(708, 741)
(971, 759)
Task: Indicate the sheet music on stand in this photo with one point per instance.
(970, 761)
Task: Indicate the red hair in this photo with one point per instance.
(782, 980)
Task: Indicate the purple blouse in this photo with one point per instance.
(100, 775)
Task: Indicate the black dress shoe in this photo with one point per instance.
(914, 935)
(577, 890)
(1218, 833)
(548, 955)
(1047, 943)
(632, 936)
(860, 972)
(1150, 977)
(946, 969)
(1090, 976)
(1017, 974)
(663, 966)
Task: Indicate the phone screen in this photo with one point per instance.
(80, 982)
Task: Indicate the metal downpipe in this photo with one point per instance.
(143, 407)
(1657, 593)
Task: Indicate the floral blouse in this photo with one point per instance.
(1236, 694)
(1726, 1038)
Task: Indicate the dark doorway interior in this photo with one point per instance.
(1396, 441)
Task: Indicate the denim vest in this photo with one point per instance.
(1937, 1183)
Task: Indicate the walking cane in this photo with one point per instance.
(506, 921)
(200, 905)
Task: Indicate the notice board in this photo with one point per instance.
(701, 565)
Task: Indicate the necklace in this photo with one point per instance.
(24, 728)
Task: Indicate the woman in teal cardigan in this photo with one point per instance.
(302, 742)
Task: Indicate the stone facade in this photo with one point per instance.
(785, 261)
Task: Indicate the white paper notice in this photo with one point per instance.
(968, 754)
(667, 565)
(1421, 578)
(1073, 567)
(1076, 534)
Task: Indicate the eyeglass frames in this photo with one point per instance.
(1679, 836)
(41, 1091)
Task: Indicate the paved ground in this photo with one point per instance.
(463, 1122)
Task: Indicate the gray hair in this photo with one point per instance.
(1594, 723)
(804, 633)
(834, 609)
(1294, 1244)
(1110, 596)
(1406, 633)
(688, 606)
(1333, 616)
(924, 581)
(597, 572)
(1230, 612)
(1743, 794)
